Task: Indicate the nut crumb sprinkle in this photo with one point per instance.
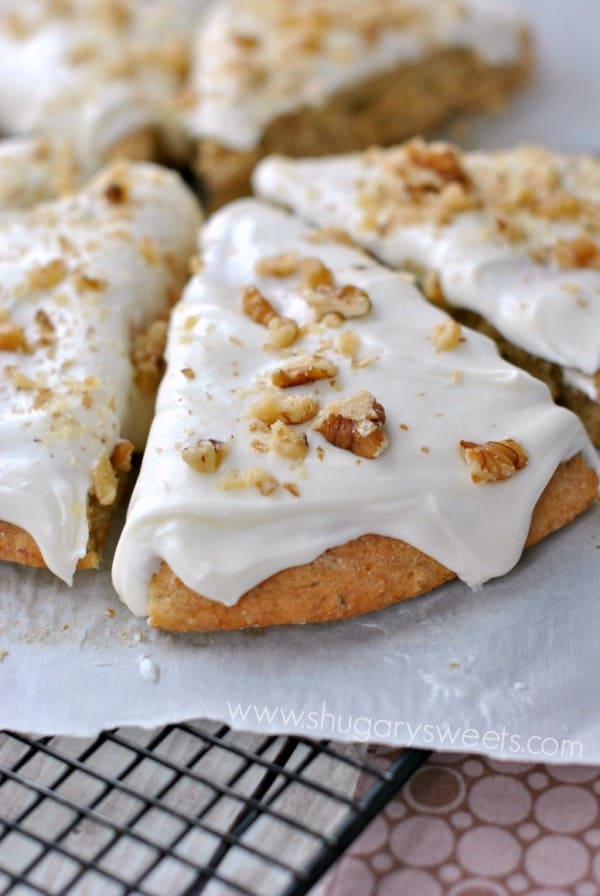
(493, 461)
(12, 338)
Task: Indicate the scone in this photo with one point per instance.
(326, 442)
(101, 74)
(512, 238)
(311, 77)
(86, 283)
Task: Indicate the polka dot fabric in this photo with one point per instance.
(466, 826)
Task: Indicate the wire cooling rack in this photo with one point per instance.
(189, 809)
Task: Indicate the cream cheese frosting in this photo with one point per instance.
(518, 248)
(34, 169)
(220, 540)
(78, 277)
(255, 60)
(94, 71)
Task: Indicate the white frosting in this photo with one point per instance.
(586, 384)
(33, 170)
(84, 77)
(240, 89)
(50, 442)
(221, 543)
(551, 312)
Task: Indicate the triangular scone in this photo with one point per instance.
(86, 284)
(326, 442)
(100, 73)
(318, 76)
(514, 237)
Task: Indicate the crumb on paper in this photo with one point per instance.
(148, 669)
(3, 654)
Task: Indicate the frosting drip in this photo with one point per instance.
(77, 280)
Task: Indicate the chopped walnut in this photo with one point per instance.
(355, 424)
(47, 275)
(148, 356)
(287, 408)
(254, 477)
(329, 235)
(12, 338)
(116, 192)
(206, 456)
(292, 489)
(46, 327)
(493, 461)
(22, 382)
(104, 481)
(432, 288)
(287, 442)
(149, 251)
(283, 265)
(581, 252)
(314, 273)
(441, 159)
(348, 343)
(121, 456)
(84, 282)
(446, 336)
(347, 301)
(283, 332)
(188, 373)
(332, 319)
(303, 369)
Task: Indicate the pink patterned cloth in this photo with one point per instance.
(470, 826)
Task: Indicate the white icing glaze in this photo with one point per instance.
(586, 384)
(240, 90)
(50, 443)
(88, 78)
(221, 543)
(33, 170)
(550, 312)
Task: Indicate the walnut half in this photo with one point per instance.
(493, 461)
(355, 424)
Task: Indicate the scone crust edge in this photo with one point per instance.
(385, 109)
(363, 575)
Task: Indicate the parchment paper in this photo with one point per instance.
(511, 670)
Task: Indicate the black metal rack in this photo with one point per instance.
(188, 809)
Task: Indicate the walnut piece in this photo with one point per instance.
(120, 458)
(355, 424)
(581, 252)
(104, 481)
(253, 477)
(206, 456)
(147, 355)
(283, 265)
(287, 408)
(47, 275)
(347, 301)
(283, 330)
(12, 338)
(446, 336)
(303, 369)
(287, 442)
(314, 273)
(493, 461)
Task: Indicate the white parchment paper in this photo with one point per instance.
(511, 671)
